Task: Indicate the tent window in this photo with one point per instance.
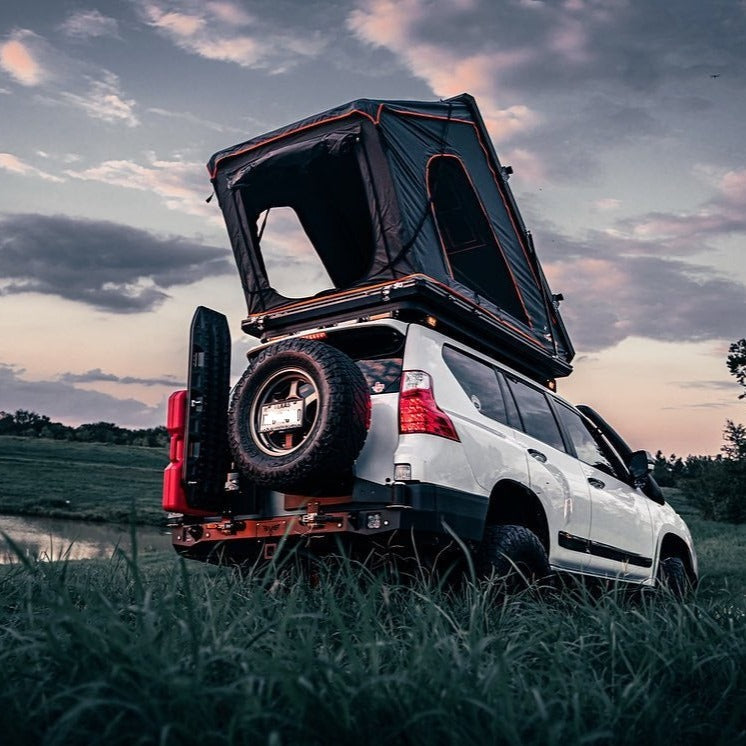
(294, 269)
(474, 257)
(323, 196)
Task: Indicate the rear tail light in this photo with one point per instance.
(418, 411)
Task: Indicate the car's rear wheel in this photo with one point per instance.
(515, 554)
(299, 416)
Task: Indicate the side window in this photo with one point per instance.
(536, 414)
(589, 445)
(479, 382)
(514, 419)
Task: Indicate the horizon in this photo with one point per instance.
(623, 122)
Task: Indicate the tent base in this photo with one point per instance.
(418, 299)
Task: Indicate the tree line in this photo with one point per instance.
(32, 425)
(716, 486)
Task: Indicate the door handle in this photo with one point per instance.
(538, 455)
(597, 483)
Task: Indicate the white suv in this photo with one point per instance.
(381, 429)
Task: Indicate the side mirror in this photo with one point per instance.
(640, 464)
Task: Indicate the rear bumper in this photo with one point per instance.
(412, 508)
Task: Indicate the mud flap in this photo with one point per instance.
(207, 454)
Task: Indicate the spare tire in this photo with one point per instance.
(299, 415)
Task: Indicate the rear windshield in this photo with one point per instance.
(382, 375)
(378, 352)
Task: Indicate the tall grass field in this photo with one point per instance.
(150, 649)
(87, 481)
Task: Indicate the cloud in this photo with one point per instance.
(201, 122)
(226, 32)
(15, 165)
(181, 185)
(33, 61)
(85, 24)
(701, 405)
(719, 385)
(634, 279)
(62, 401)
(104, 100)
(611, 294)
(690, 233)
(19, 58)
(96, 375)
(111, 267)
(526, 62)
(406, 29)
(607, 203)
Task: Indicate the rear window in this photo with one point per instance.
(382, 375)
(479, 382)
(378, 352)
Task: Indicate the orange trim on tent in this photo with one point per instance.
(227, 156)
(375, 120)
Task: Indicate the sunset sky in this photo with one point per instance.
(624, 121)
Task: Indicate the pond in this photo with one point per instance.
(58, 538)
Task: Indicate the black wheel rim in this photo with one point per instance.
(286, 386)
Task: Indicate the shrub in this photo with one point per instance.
(717, 488)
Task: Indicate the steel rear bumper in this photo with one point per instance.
(413, 507)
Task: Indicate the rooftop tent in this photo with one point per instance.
(392, 192)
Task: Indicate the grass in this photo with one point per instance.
(87, 481)
(721, 550)
(134, 651)
(149, 649)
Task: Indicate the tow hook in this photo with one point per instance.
(231, 527)
(316, 519)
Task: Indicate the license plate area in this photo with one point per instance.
(284, 415)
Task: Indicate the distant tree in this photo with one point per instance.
(152, 437)
(661, 472)
(736, 362)
(668, 471)
(101, 432)
(734, 435)
(717, 486)
(7, 423)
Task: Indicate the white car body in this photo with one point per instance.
(617, 515)
(492, 470)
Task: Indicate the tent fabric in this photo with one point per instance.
(385, 190)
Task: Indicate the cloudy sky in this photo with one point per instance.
(623, 121)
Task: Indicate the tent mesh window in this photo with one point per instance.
(472, 252)
(329, 198)
(294, 268)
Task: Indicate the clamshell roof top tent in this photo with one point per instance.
(408, 208)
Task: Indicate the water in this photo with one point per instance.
(57, 538)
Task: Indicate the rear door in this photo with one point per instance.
(556, 476)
